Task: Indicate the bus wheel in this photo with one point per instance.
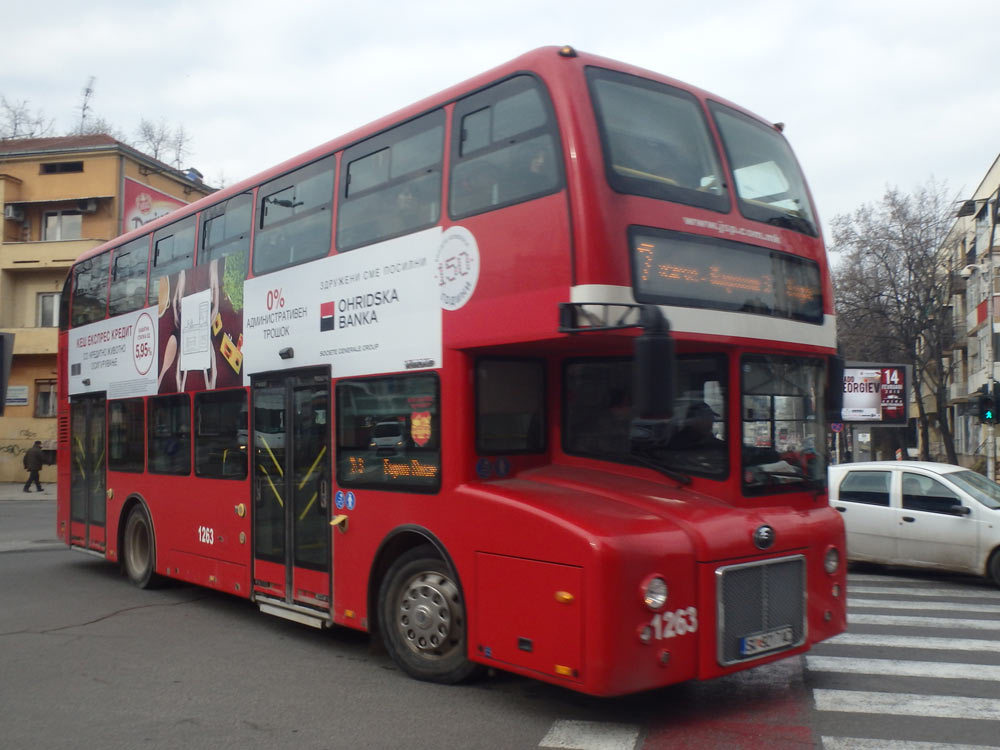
(422, 618)
(139, 548)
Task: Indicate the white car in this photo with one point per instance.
(919, 514)
(387, 437)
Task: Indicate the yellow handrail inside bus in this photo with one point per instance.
(630, 172)
(271, 454)
(312, 500)
(274, 489)
(312, 468)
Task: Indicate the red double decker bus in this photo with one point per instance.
(532, 374)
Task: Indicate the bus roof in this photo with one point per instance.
(548, 61)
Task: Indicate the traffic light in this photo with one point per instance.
(987, 406)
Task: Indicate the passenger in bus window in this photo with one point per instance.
(409, 211)
(534, 169)
(697, 430)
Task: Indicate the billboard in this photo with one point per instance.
(875, 393)
(142, 204)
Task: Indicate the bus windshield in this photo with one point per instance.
(769, 184)
(784, 430)
(599, 416)
(656, 141)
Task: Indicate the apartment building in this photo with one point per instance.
(972, 251)
(60, 197)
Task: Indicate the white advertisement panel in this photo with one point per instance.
(363, 312)
(862, 395)
(116, 355)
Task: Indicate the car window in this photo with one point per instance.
(868, 487)
(928, 495)
(981, 488)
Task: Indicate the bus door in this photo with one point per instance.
(291, 425)
(87, 499)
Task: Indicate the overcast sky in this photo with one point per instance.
(872, 92)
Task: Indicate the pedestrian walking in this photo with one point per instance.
(34, 460)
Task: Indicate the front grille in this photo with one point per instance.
(758, 599)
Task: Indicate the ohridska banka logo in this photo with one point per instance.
(354, 312)
(327, 322)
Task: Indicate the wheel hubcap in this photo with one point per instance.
(430, 614)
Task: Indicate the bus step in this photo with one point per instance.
(288, 611)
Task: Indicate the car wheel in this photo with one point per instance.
(993, 566)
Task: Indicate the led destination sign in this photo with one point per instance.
(670, 268)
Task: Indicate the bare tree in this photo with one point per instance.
(153, 137)
(180, 143)
(17, 120)
(894, 293)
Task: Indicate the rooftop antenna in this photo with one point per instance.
(88, 91)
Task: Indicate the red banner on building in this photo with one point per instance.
(143, 204)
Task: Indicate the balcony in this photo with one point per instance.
(31, 256)
(35, 340)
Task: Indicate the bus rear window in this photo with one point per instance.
(656, 141)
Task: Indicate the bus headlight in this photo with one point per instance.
(654, 593)
(831, 562)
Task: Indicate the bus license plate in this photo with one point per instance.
(768, 641)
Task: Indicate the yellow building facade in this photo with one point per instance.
(61, 197)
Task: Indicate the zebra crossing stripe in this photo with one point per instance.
(922, 622)
(914, 642)
(904, 591)
(858, 743)
(893, 668)
(907, 704)
(985, 609)
(590, 735)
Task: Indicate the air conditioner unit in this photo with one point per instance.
(12, 212)
(88, 205)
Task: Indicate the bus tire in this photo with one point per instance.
(139, 548)
(422, 618)
(993, 567)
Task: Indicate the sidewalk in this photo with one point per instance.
(28, 519)
(15, 491)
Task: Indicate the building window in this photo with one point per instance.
(62, 167)
(62, 225)
(45, 398)
(47, 310)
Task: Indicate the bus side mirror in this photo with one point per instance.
(654, 367)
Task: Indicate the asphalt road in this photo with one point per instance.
(87, 660)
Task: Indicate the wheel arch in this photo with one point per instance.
(397, 543)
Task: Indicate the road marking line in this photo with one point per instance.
(947, 606)
(894, 668)
(922, 622)
(907, 704)
(914, 642)
(590, 735)
(904, 591)
(859, 743)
